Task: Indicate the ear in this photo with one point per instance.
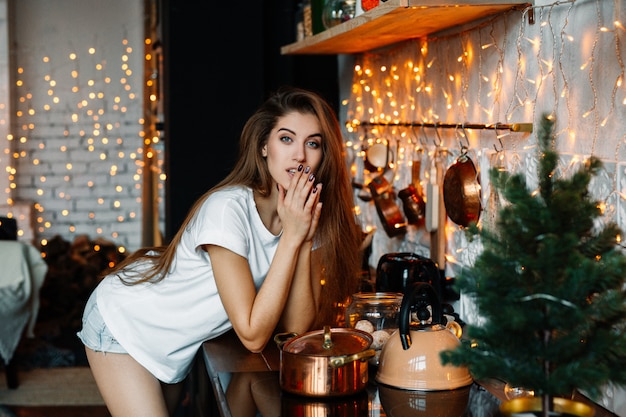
(264, 151)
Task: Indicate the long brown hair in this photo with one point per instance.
(338, 233)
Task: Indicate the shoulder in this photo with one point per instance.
(235, 192)
(231, 201)
(234, 195)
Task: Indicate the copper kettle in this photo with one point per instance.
(410, 359)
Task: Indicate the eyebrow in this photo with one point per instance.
(288, 130)
(314, 135)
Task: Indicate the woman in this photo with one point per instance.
(273, 247)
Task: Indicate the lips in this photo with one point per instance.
(291, 172)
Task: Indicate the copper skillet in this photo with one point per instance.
(461, 191)
(384, 196)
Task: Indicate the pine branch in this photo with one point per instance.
(548, 285)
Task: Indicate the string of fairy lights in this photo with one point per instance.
(563, 58)
(91, 113)
(503, 70)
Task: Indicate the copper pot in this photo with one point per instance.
(461, 191)
(324, 363)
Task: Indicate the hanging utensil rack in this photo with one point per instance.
(438, 239)
(513, 127)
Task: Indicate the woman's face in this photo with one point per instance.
(295, 140)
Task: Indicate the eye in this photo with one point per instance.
(286, 139)
(313, 144)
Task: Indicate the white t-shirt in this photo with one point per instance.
(162, 325)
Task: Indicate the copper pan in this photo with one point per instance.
(384, 195)
(388, 210)
(461, 191)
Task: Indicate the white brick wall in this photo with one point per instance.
(81, 199)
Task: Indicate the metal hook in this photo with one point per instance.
(438, 136)
(419, 141)
(424, 135)
(415, 135)
(464, 147)
(499, 137)
(465, 134)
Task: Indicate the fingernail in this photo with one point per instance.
(315, 189)
(307, 170)
(299, 167)
(311, 177)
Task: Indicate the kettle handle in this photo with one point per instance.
(422, 294)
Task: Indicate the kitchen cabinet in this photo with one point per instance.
(394, 21)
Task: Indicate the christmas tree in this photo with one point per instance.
(548, 284)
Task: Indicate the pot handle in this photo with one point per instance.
(455, 328)
(281, 338)
(339, 361)
(419, 294)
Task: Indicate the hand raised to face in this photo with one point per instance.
(299, 207)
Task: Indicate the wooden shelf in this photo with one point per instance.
(395, 21)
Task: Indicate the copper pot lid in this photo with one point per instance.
(329, 342)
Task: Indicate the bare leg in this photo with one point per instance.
(127, 388)
(173, 395)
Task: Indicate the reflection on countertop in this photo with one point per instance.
(258, 394)
(247, 384)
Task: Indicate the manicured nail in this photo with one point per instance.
(315, 189)
(300, 167)
(311, 177)
(307, 170)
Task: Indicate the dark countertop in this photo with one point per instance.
(246, 384)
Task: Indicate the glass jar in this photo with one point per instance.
(376, 313)
(336, 12)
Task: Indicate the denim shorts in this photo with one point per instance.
(95, 334)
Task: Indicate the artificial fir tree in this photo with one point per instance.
(549, 286)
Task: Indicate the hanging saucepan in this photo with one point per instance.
(461, 191)
(377, 160)
(384, 197)
(413, 203)
(388, 210)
